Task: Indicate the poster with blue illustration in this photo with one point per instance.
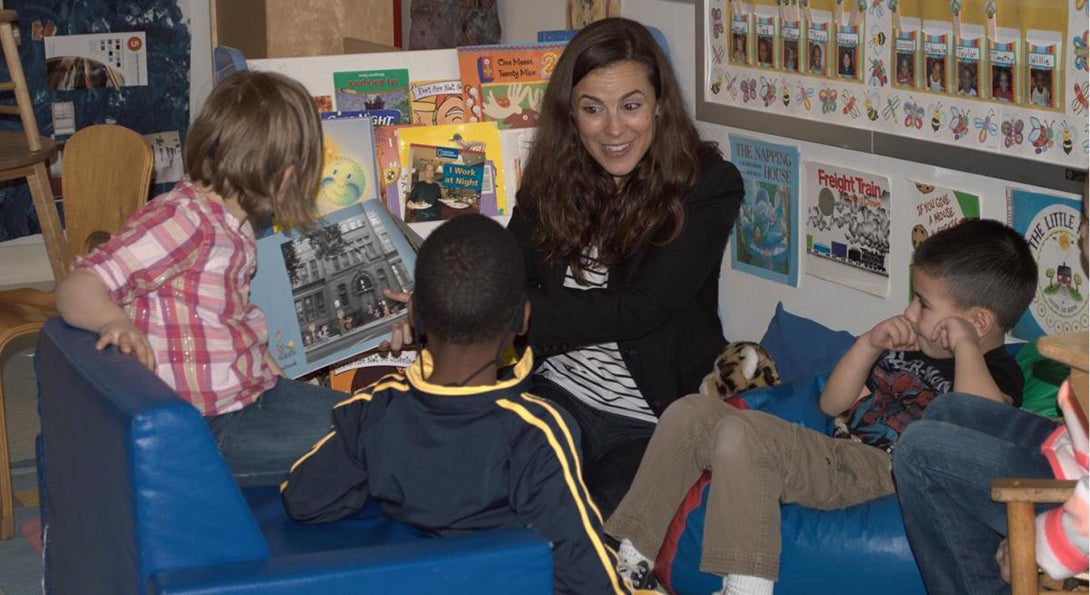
(1050, 224)
(765, 240)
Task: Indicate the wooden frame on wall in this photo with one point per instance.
(1056, 176)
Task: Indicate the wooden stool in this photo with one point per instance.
(24, 154)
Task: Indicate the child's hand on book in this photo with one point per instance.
(401, 331)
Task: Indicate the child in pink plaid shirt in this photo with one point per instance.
(172, 287)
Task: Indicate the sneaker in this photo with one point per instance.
(635, 568)
(639, 576)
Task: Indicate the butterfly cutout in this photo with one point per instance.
(1012, 131)
(828, 100)
(913, 115)
(1080, 50)
(749, 90)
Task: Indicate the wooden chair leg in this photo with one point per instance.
(1021, 537)
(7, 504)
(41, 194)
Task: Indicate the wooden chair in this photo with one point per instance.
(105, 176)
(1021, 495)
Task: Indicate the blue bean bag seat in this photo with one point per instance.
(861, 549)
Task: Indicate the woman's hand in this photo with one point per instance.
(401, 332)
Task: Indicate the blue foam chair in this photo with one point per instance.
(137, 499)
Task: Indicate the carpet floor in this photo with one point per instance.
(21, 556)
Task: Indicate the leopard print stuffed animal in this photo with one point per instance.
(741, 366)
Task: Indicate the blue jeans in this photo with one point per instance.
(261, 441)
(944, 465)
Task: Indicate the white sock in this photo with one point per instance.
(744, 584)
(629, 555)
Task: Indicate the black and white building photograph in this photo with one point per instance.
(337, 274)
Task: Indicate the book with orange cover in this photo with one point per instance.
(504, 83)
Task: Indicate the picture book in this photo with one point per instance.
(436, 102)
(847, 227)
(367, 368)
(360, 90)
(388, 156)
(765, 239)
(348, 161)
(321, 290)
(462, 144)
(1050, 225)
(504, 83)
(445, 182)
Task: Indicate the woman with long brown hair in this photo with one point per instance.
(623, 215)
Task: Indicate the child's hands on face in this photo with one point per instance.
(128, 339)
(953, 332)
(893, 333)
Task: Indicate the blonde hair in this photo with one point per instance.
(254, 128)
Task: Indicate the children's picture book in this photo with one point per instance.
(1050, 225)
(388, 155)
(765, 240)
(360, 90)
(504, 83)
(437, 102)
(367, 368)
(321, 290)
(847, 227)
(938, 208)
(348, 161)
(464, 141)
(446, 182)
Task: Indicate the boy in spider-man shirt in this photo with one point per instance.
(970, 282)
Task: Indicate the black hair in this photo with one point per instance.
(983, 263)
(469, 280)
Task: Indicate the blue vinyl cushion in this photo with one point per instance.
(860, 550)
(137, 499)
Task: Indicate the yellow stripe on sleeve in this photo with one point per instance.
(317, 446)
(368, 393)
(540, 424)
(551, 408)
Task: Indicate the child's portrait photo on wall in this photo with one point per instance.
(740, 51)
(791, 55)
(764, 51)
(1002, 83)
(817, 58)
(968, 79)
(936, 74)
(846, 63)
(906, 70)
(1040, 87)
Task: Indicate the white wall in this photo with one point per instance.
(200, 52)
(747, 302)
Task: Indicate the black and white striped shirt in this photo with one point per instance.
(596, 374)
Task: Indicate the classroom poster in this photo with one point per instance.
(938, 208)
(1051, 226)
(765, 240)
(847, 227)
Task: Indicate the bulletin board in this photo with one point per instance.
(997, 87)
